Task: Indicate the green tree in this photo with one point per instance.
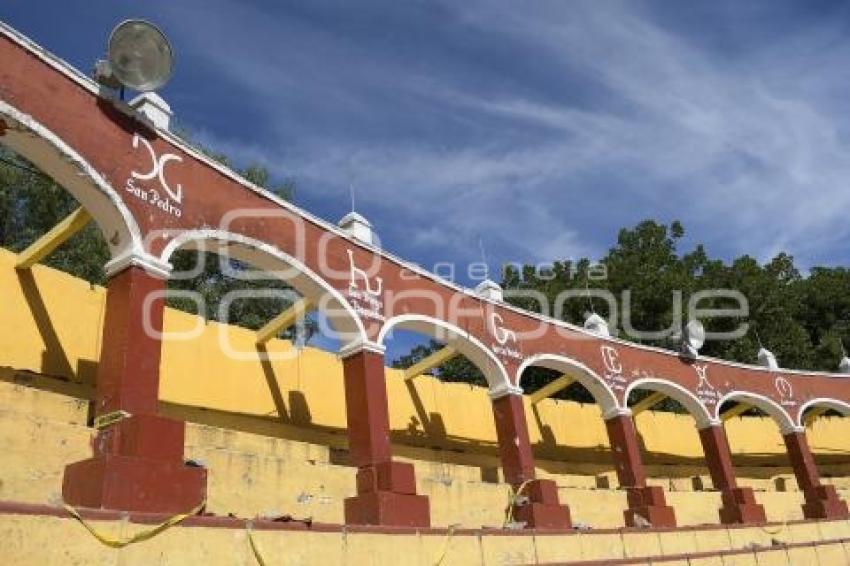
(805, 321)
(31, 204)
(458, 368)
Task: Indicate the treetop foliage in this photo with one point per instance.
(804, 320)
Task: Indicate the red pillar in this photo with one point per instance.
(538, 505)
(821, 501)
(645, 501)
(739, 503)
(138, 456)
(386, 490)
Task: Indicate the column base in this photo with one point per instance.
(648, 507)
(823, 502)
(740, 507)
(137, 466)
(389, 509)
(542, 509)
(127, 483)
(386, 495)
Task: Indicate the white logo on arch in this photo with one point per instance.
(611, 359)
(613, 374)
(158, 168)
(368, 302)
(357, 273)
(503, 335)
(500, 333)
(785, 390)
(702, 374)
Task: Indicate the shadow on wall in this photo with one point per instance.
(430, 427)
(54, 360)
(549, 449)
(298, 411)
(425, 436)
(416, 441)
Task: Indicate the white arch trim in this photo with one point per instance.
(87, 83)
(69, 169)
(602, 393)
(691, 402)
(263, 255)
(769, 406)
(463, 342)
(834, 404)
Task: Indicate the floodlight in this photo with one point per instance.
(139, 57)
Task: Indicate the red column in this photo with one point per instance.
(138, 455)
(128, 371)
(537, 504)
(821, 501)
(646, 502)
(386, 490)
(739, 503)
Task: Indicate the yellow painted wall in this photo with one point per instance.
(273, 439)
(259, 474)
(31, 539)
(51, 325)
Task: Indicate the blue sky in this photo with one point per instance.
(540, 127)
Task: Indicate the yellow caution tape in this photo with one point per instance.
(781, 528)
(513, 496)
(104, 421)
(138, 537)
(449, 536)
(254, 548)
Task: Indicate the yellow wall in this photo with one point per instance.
(257, 474)
(51, 325)
(30, 539)
(270, 436)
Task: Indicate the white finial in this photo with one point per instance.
(596, 324)
(767, 359)
(358, 227)
(154, 108)
(844, 365)
(489, 289)
(356, 224)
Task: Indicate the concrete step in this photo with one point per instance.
(26, 400)
(33, 433)
(821, 553)
(39, 535)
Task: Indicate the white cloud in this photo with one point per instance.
(751, 152)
